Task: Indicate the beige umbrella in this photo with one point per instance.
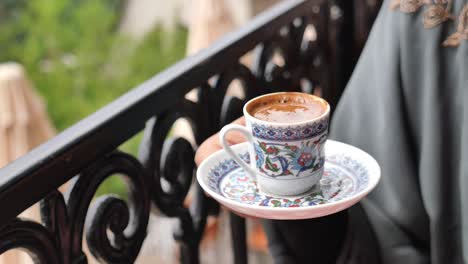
(209, 20)
(23, 120)
(23, 125)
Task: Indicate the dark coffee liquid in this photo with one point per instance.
(288, 112)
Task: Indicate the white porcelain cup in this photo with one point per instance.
(288, 158)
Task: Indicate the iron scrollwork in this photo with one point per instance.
(34, 238)
(59, 240)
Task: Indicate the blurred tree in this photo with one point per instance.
(76, 57)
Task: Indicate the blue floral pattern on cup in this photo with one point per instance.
(290, 133)
(289, 159)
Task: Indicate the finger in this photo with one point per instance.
(212, 145)
(207, 148)
(235, 137)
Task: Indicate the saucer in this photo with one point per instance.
(349, 175)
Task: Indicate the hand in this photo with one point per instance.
(211, 145)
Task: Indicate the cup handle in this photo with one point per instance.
(250, 169)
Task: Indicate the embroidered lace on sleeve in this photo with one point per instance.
(437, 12)
(462, 30)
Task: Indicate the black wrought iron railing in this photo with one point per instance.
(297, 45)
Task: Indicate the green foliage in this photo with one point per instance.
(77, 59)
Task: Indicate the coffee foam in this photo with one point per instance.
(288, 107)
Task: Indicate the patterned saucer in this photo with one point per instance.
(349, 175)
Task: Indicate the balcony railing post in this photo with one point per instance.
(239, 238)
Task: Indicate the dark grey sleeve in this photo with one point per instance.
(406, 104)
